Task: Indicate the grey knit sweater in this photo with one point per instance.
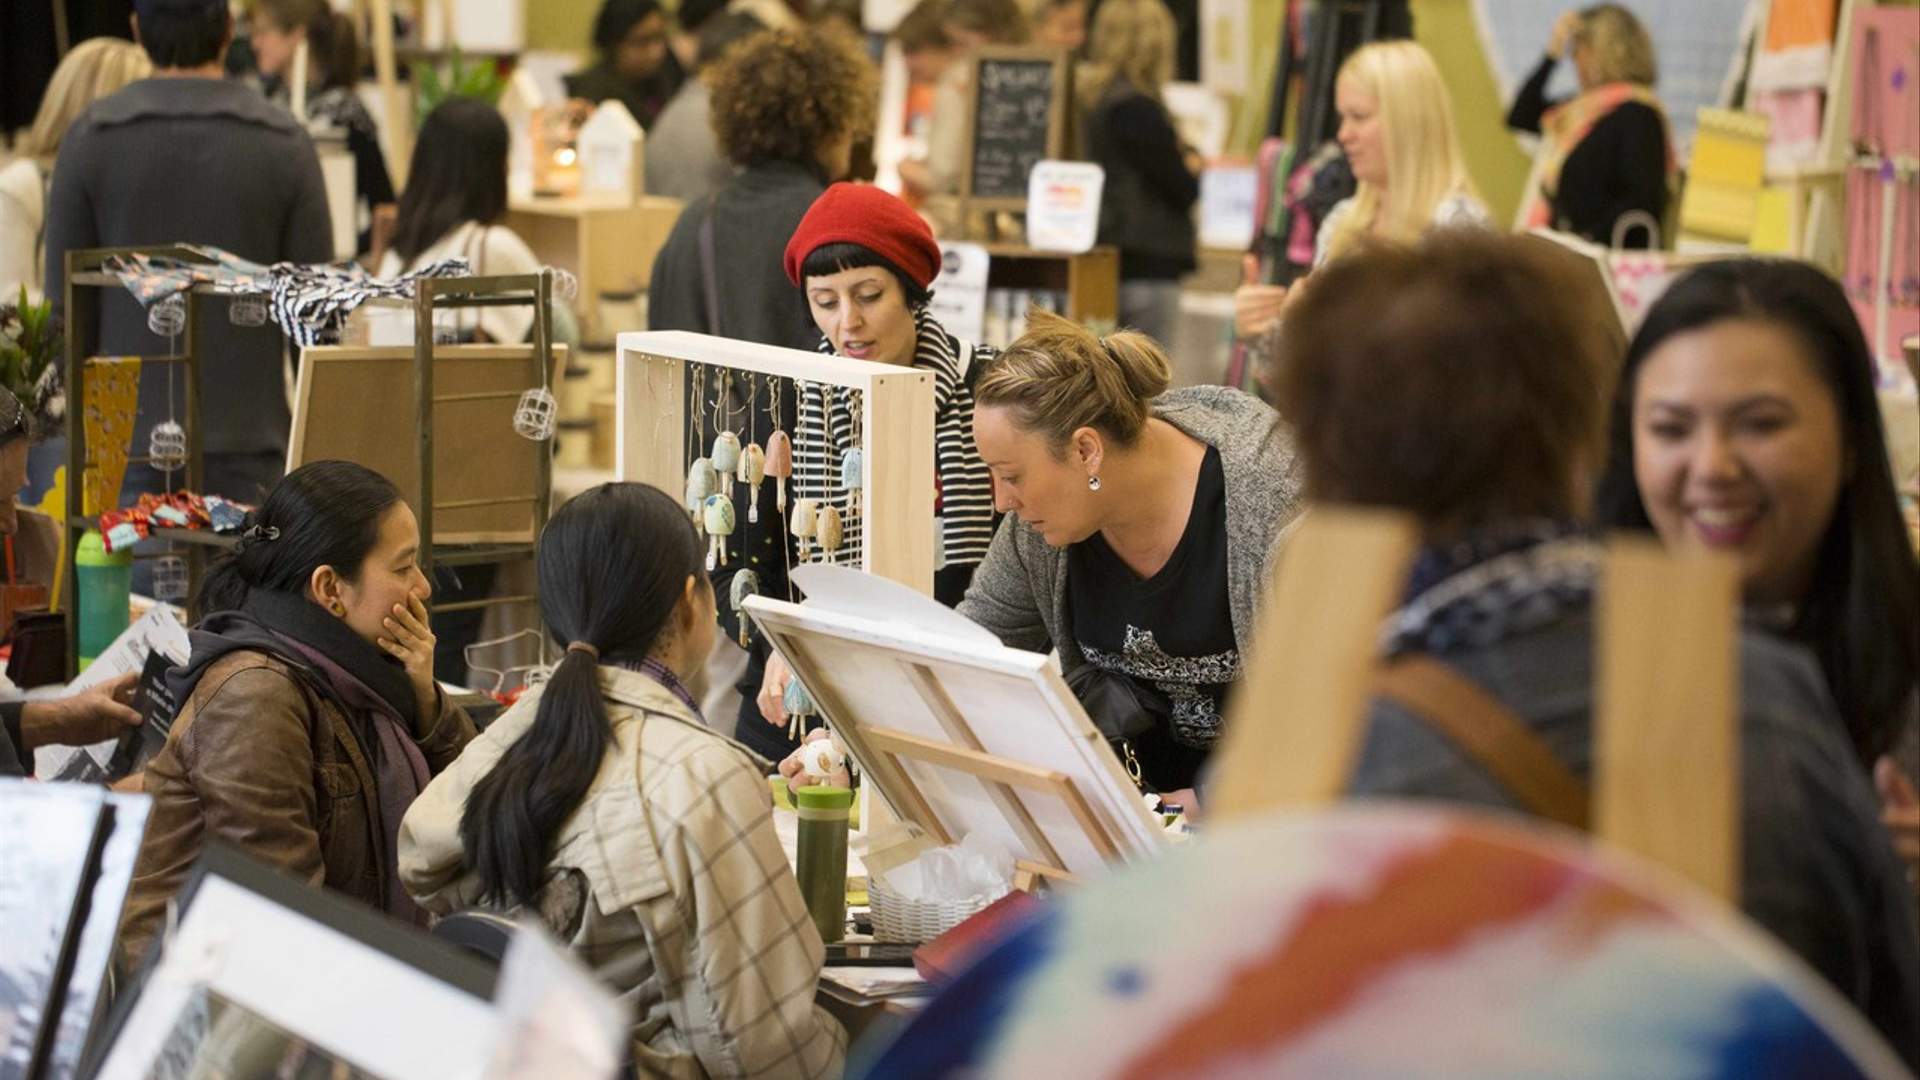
(1020, 591)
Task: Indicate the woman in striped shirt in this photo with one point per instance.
(865, 261)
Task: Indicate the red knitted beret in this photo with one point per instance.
(863, 214)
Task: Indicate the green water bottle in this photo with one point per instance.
(105, 582)
(822, 857)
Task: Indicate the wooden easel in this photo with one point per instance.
(1666, 767)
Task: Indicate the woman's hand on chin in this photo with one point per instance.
(408, 637)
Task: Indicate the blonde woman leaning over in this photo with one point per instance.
(1396, 129)
(91, 71)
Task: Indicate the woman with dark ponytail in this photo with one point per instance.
(309, 718)
(602, 805)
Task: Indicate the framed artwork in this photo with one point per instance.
(264, 975)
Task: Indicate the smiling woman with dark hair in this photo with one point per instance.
(1461, 383)
(309, 717)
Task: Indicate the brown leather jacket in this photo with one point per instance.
(261, 761)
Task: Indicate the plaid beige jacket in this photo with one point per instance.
(668, 881)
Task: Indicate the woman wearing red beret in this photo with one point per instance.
(865, 261)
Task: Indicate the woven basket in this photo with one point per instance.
(899, 920)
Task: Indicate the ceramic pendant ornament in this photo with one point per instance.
(822, 758)
(828, 530)
(717, 513)
(851, 465)
(725, 458)
(806, 513)
(745, 583)
(780, 466)
(753, 469)
(699, 486)
(798, 705)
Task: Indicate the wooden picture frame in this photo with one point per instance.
(1059, 112)
(963, 735)
(896, 427)
(357, 403)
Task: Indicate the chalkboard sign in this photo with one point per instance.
(1016, 115)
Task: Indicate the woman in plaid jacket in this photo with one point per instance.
(602, 805)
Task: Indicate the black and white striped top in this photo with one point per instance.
(963, 499)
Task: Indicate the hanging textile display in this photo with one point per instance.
(1882, 273)
(112, 398)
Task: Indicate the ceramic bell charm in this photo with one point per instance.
(851, 464)
(806, 513)
(717, 513)
(780, 466)
(725, 458)
(828, 530)
(798, 705)
(752, 470)
(700, 484)
(745, 583)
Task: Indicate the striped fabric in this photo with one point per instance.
(964, 496)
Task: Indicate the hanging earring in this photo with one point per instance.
(1093, 483)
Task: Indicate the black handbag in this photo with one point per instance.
(1122, 708)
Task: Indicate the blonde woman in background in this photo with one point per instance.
(1606, 157)
(1396, 129)
(92, 70)
(1153, 179)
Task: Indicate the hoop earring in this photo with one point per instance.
(1093, 483)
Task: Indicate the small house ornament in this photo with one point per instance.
(609, 145)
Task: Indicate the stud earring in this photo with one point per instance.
(338, 609)
(1093, 483)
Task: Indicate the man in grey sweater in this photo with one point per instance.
(188, 157)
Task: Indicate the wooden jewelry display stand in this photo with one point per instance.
(895, 425)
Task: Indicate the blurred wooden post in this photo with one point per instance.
(1666, 749)
(399, 110)
(1294, 726)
